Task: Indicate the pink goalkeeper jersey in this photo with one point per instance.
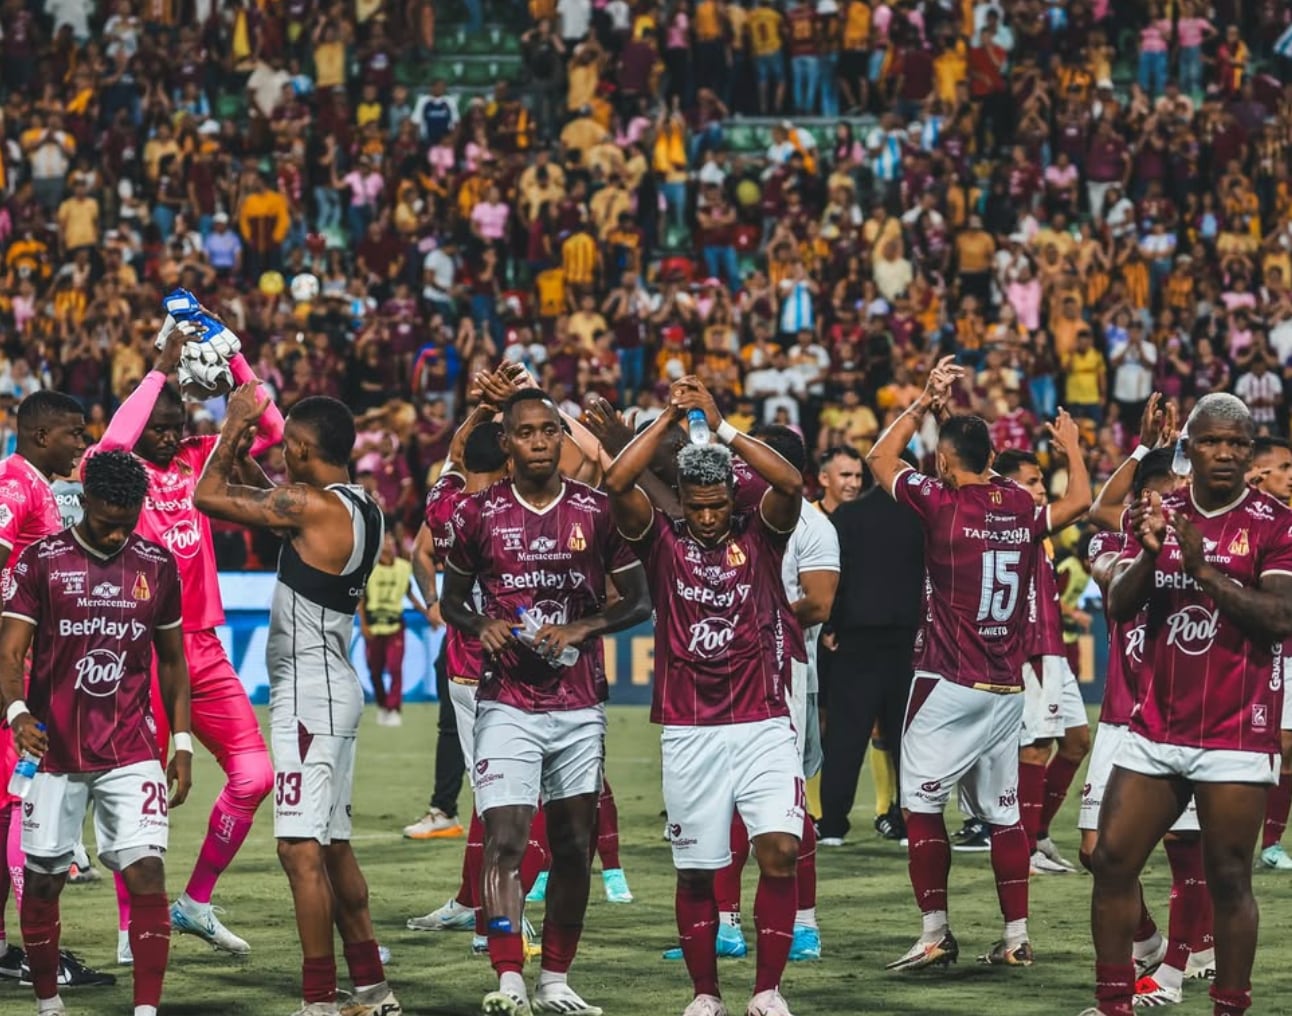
(980, 551)
(1203, 683)
(28, 511)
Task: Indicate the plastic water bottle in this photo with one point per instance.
(23, 774)
(698, 424)
(1180, 464)
(569, 655)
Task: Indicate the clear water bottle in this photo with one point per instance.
(698, 424)
(530, 626)
(1180, 464)
(23, 774)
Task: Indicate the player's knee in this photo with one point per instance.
(250, 781)
(695, 881)
(1075, 744)
(1109, 865)
(300, 858)
(570, 853)
(145, 877)
(1037, 754)
(777, 854)
(1229, 879)
(41, 885)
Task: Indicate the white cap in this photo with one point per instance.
(221, 217)
(827, 7)
(208, 127)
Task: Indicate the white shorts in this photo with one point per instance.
(463, 699)
(130, 820)
(1286, 723)
(711, 772)
(1198, 765)
(1109, 740)
(1052, 702)
(521, 757)
(796, 697)
(313, 785)
(960, 735)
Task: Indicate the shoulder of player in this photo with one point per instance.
(581, 497)
(141, 549)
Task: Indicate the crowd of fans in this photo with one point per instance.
(1084, 202)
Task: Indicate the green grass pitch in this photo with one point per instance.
(866, 912)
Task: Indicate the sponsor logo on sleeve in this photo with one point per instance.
(6, 515)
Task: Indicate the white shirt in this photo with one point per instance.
(441, 269)
(575, 16)
(1133, 377)
(1266, 388)
(814, 546)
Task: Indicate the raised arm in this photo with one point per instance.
(1077, 497)
(130, 420)
(631, 508)
(1157, 429)
(424, 565)
(270, 430)
(172, 682)
(1132, 580)
(885, 458)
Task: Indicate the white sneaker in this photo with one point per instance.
(1042, 865)
(505, 1003)
(434, 825)
(831, 841)
(768, 1003)
(189, 918)
(378, 1000)
(453, 916)
(51, 1007)
(318, 1009)
(125, 955)
(1148, 994)
(559, 997)
(1201, 966)
(1046, 846)
(705, 1005)
(394, 718)
(1145, 965)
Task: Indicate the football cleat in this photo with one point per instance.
(453, 916)
(973, 838)
(705, 1005)
(1046, 846)
(1042, 865)
(559, 997)
(1002, 956)
(806, 944)
(616, 886)
(928, 954)
(11, 963)
(505, 1003)
(1201, 966)
(125, 955)
(731, 944)
(1149, 993)
(383, 954)
(890, 825)
(434, 825)
(377, 1000)
(479, 945)
(531, 940)
(1276, 858)
(767, 1003)
(72, 973)
(1145, 965)
(199, 919)
(538, 894)
(831, 841)
(77, 875)
(318, 1009)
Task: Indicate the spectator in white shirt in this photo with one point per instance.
(1262, 390)
(1133, 358)
(777, 387)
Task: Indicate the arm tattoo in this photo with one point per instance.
(289, 502)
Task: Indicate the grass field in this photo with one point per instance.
(866, 911)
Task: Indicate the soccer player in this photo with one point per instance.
(1272, 472)
(51, 437)
(722, 667)
(965, 707)
(94, 603)
(1053, 708)
(546, 546)
(151, 424)
(332, 536)
(1211, 568)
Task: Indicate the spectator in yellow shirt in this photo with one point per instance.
(1087, 378)
(766, 42)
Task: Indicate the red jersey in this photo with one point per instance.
(1125, 647)
(979, 558)
(92, 650)
(1043, 635)
(461, 651)
(721, 652)
(1013, 430)
(552, 561)
(28, 511)
(1203, 683)
(801, 23)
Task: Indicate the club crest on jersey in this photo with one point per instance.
(140, 591)
(735, 555)
(1238, 546)
(577, 541)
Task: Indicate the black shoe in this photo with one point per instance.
(889, 825)
(11, 963)
(72, 973)
(973, 837)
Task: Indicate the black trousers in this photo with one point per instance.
(450, 766)
(866, 679)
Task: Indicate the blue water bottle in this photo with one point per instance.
(698, 425)
(24, 773)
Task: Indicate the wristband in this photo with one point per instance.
(726, 432)
(16, 708)
(183, 741)
(1140, 452)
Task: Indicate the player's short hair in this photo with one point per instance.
(1153, 466)
(784, 442)
(522, 398)
(332, 424)
(169, 397)
(970, 439)
(483, 453)
(834, 451)
(116, 478)
(40, 409)
(1265, 445)
(1011, 461)
(705, 465)
(1224, 407)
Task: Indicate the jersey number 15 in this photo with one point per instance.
(999, 585)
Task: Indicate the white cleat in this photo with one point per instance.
(1042, 865)
(1146, 965)
(189, 918)
(705, 1005)
(434, 825)
(559, 997)
(1148, 993)
(831, 841)
(453, 916)
(505, 1003)
(51, 1007)
(1046, 846)
(318, 1009)
(1201, 966)
(125, 955)
(768, 1003)
(378, 1000)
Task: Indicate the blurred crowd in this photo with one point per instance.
(803, 204)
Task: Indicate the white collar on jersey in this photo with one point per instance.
(539, 511)
(1219, 511)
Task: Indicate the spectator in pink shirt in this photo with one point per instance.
(1191, 31)
(1154, 52)
(489, 220)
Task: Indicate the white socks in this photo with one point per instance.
(1148, 947)
(145, 1010)
(1015, 933)
(54, 1004)
(731, 918)
(546, 978)
(1169, 977)
(935, 925)
(805, 918)
(512, 983)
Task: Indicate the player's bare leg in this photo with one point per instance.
(1137, 812)
(775, 906)
(372, 995)
(315, 907)
(1277, 807)
(571, 823)
(502, 901)
(1230, 815)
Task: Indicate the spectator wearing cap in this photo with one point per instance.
(222, 246)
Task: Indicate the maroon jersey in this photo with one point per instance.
(461, 651)
(721, 647)
(1203, 683)
(554, 562)
(1125, 647)
(92, 650)
(979, 558)
(1043, 635)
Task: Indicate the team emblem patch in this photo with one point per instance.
(1239, 547)
(577, 540)
(141, 592)
(735, 555)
